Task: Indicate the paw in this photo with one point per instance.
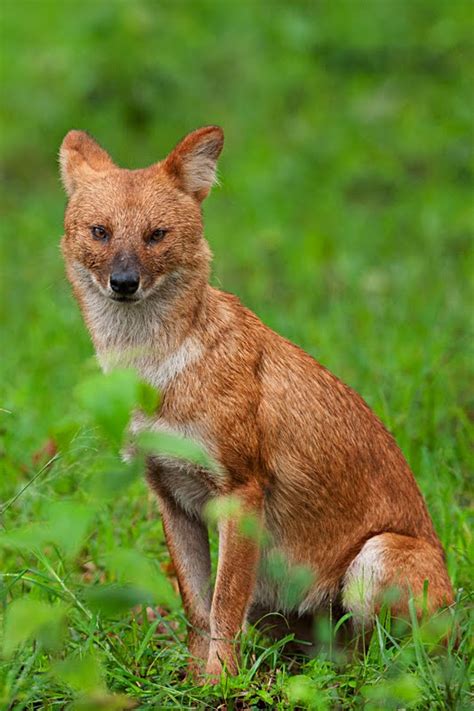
(198, 645)
(195, 671)
(218, 664)
(214, 671)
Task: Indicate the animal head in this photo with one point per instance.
(130, 232)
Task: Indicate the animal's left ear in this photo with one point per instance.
(192, 164)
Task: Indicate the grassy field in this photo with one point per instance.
(344, 220)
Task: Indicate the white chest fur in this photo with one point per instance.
(141, 337)
(161, 372)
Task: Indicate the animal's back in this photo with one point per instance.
(334, 474)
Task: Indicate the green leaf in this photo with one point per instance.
(265, 696)
(231, 506)
(222, 508)
(403, 690)
(293, 580)
(81, 672)
(302, 690)
(65, 525)
(27, 538)
(148, 398)
(28, 618)
(102, 701)
(133, 568)
(111, 477)
(114, 600)
(64, 431)
(110, 399)
(174, 446)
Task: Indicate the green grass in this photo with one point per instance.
(344, 220)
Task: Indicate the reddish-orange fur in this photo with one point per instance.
(303, 451)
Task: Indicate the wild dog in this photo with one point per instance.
(304, 454)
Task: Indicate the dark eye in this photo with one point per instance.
(99, 233)
(157, 235)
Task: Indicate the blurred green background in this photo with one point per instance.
(345, 210)
(344, 218)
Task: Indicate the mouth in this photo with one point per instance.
(124, 299)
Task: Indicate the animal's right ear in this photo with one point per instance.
(81, 158)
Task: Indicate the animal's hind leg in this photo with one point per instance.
(389, 569)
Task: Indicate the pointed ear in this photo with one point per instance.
(80, 158)
(192, 164)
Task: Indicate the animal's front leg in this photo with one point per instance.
(188, 544)
(235, 582)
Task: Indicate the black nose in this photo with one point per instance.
(124, 283)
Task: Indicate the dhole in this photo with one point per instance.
(302, 451)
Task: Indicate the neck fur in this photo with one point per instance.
(156, 335)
